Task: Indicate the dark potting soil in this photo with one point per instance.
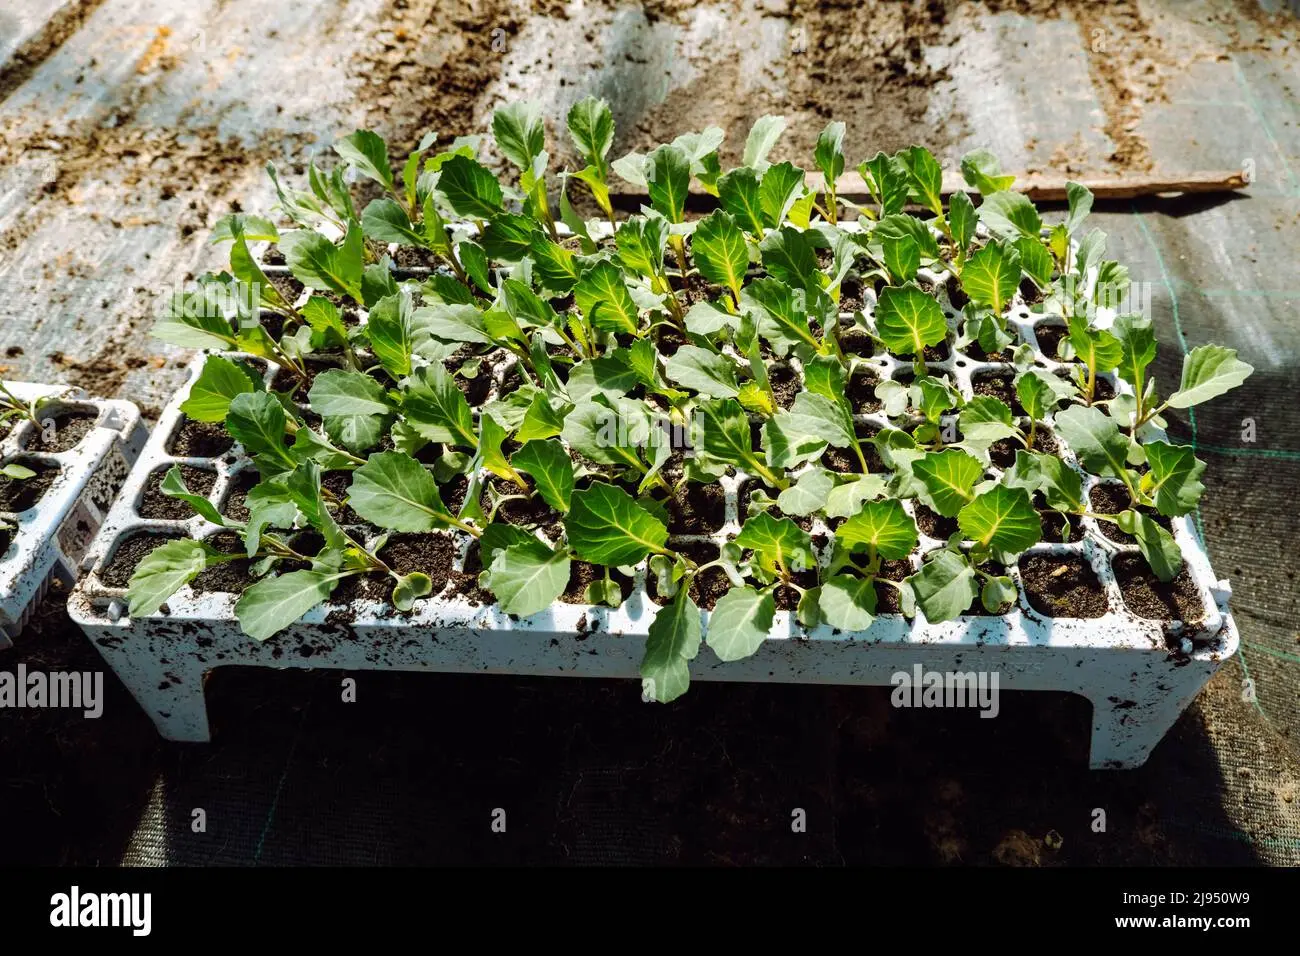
(1049, 340)
(931, 353)
(474, 389)
(707, 586)
(956, 294)
(236, 505)
(453, 493)
(465, 583)
(155, 504)
(1003, 453)
(229, 577)
(69, 428)
(887, 596)
(405, 553)
(856, 341)
(845, 460)
(787, 598)
(1147, 596)
(1103, 391)
(1056, 523)
(752, 485)
(998, 386)
(582, 574)
(934, 524)
(410, 257)
(669, 340)
(273, 256)
(860, 390)
(696, 289)
(19, 494)
(977, 608)
(1062, 586)
(851, 297)
(5, 539)
(286, 381)
(785, 384)
(1030, 292)
(526, 512)
(697, 509)
(287, 285)
(1108, 499)
(129, 553)
(337, 484)
(976, 351)
(199, 440)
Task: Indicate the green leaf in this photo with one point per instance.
(702, 371)
(961, 220)
(828, 154)
(519, 132)
(907, 320)
(197, 320)
(982, 172)
(270, 606)
(1138, 344)
(991, 276)
(607, 526)
(673, 641)
(777, 543)
(1156, 544)
(641, 243)
(1060, 484)
(394, 491)
(318, 264)
(173, 486)
(217, 385)
(813, 414)
(1174, 479)
(391, 327)
(257, 421)
(846, 500)
(541, 420)
(437, 409)
(1208, 371)
(739, 623)
(608, 431)
(944, 587)
(408, 588)
(164, 571)
(1010, 215)
(591, 125)
(446, 323)
(762, 137)
(902, 258)
(668, 179)
(323, 317)
(1095, 439)
(782, 319)
(926, 177)
(887, 180)
(551, 469)
(986, 419)
(508, 237)
(367, 153)
(848, 603)
(882, 525)
(781, 185)
(470, 188)
(1035, 260)
(719, 251)
(808, 494)
(1096, 348)
(1079, 198)
(385, 221)
(251, 228)
(949, 477)
(528, 577)
(996, 592)
(1038, 393)
(789, 257)
(555, 267)
(354, 406)
(899, 225)
(1002, 519)
(603, 297)
(739, 193)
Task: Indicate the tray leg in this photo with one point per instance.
(1126, 726)
(171, 694)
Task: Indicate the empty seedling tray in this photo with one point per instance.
(80, 454)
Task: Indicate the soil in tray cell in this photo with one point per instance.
(1003, 453)
(1147, 596)
(465, 583)
(785, 384)
(236, 504)
(1049, 340)
(1002, 387)
(888, 599)
(934, 524)
(581, 574)
(1062, 586)
(1107, 499)
(697, 509)
(19, 494)
(199, 440)
(707, 586)
(754, 484)
(155, 504)
(128, 554)
(526, 512)
(61, 431)
(229, 577)
(861, 391)
(431, 554)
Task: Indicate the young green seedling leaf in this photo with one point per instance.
(606, 525)
(216, 387)
(1174, 479)
(1208, 371)
(991, 276)
(982, 172)
(945, 586)
(394, 491)
(551, 469)
(718, 247)
(739, 623)
(269, 606)
(848, 603)
(908, 320)
(1001, 519)
(949, 477)
(528, 577)
(367, 153)
(672, 642)
(881, 527)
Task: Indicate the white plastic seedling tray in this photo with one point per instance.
(51, 537)
(1139, 674)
